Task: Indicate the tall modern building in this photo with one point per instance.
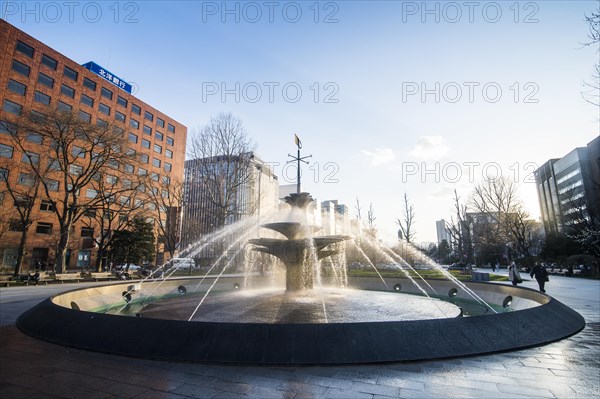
(335, 217)
(35, 78)
(442, 232)
(255, 193)
(569, 189)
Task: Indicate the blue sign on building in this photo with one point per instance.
(107, 75)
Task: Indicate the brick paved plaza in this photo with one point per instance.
(567, 369)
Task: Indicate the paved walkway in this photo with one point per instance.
(566, 369)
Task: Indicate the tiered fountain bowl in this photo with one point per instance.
(299, 324)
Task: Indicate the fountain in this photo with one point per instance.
(295, 251)
(305, 323)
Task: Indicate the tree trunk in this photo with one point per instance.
(21, 253)
(99, 259)
(61, 251)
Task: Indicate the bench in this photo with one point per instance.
(67, 277)
(97, 276)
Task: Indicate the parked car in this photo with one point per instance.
(460, 266)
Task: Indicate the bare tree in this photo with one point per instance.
(496, 201)
(592, 94)
(358, 209)
(24, 190)
(406, 223)
(77, 151)
(117, 201)
(166, 197)
(459, 229)
(221, 169)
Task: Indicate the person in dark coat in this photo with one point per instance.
(541, 275)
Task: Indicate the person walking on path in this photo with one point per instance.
(541, 275)
(513, 274)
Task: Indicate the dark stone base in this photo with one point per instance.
(298, 344)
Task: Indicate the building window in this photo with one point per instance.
(147, 130)
(145, 143)
(3, 177)
(166, 179)
(26, 179)
(126, 183)
(144, 157)
(15, 225)
(6, 151)
(30, 158)
(75, 170)
(134, 124)
(142, 172)
(121, 101)
(105, 109)
(158, 136)
(106, 93)
(52, 185)
(87, 232)
(141, 188)
(157, 149)
(78, 152)
(110, 179)
(21, 68)
(168, 167)
(113, 163)
(33, 137)
(133, 138)
(156, 162)
(89, 101)
(64, 107)
(16, 87)
(154, 177)
(44, 228)
(89, 83)
(70, 73)
(160, 122)
(171, 128)
(148, 116)
(135, 109)
(41, 98)
(49, 62)
(91, 193)
(46, 80)
(119, 116)
(169, 153)
(47, 205)
(170, 141)
(12, 108)
(128, 168)
(85, 117)
(24, 48)
(67, 91)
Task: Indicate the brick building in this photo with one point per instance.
(34, 77)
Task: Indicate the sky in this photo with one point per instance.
(389, 97)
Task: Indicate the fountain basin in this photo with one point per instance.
(526, 325)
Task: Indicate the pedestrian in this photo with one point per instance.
(513, 274)
(569, 272)
(541, 275)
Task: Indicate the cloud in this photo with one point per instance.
(380, 156)
(429, 147)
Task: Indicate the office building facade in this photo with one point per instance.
(35, 78)
(568, 189)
